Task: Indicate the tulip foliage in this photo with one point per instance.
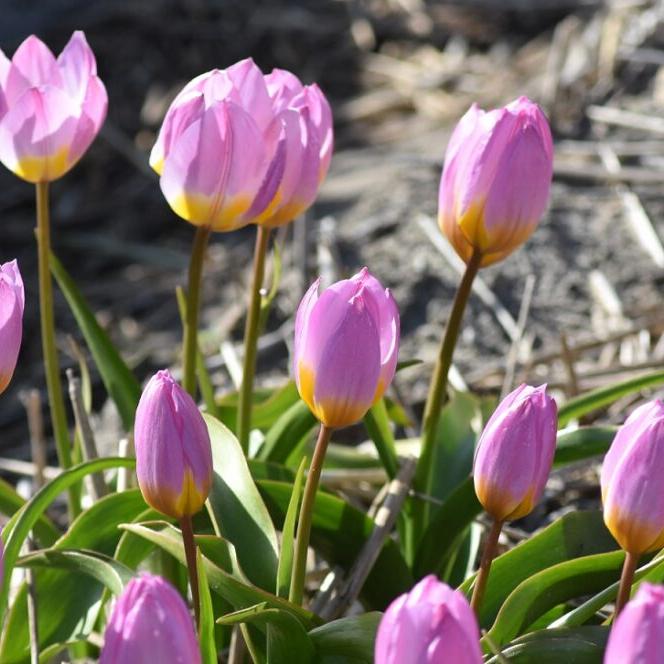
(198, 544)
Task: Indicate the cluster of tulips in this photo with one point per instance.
(238, 147)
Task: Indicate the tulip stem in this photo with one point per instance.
(488, 555)
(306, 515)
(190, 341)
(251, 339)
(190, 553)
(626, 579)
(51, 363)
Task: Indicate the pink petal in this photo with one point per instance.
(33, 65)
(283, 87)
(95, 106)
(250, 92)
(77, 65)
(302, 322)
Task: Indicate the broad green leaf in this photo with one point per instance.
(603, 396)
(268, 470)
(339, 531)
(378, 427)
(348, 640)
(237, 509)
(583, 443)
(47, 655)
(206, 629)
(120, 382)
(286, 434)
(573, 535)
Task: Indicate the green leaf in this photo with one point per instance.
(584, 645)
(237, 509)
(286, 434)
(378, 427)
(206, 629)
(285, 570)
(349, 640)
(603, 396)
(120, 382)
(339, 532)
(574, 535)
(268, 298)
(583, 443)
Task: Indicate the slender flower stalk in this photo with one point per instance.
(626, 580)
(190, 553)
(251, 333)
(488, 555)
(306, 515)
(190, 341)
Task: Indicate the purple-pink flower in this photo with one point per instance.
(632, 481)
(50, 109)
(12, 303)
(637, 636)
(346, 347)
(239, 147)
(173, 452)
(515, 453)
(150, 623)
(431, 624)
(496, 180)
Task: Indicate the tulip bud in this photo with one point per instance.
(632, 481)
(237, 147)
(173, 452)
(637, 636)
(12, 302)
(430, 624)
(346, 346)
(50, 110)
(150, 623)
(496, 180)
(515, 453)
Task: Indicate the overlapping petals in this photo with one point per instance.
(12, 303)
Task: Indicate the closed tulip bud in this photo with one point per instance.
(431, 624)
(632, 481)
(237, 147)
(346, 346)
(173, 452)
(150, 623)
(637, 636)
(50, 109)
(515, 453)
(496, 180)
(12, 302)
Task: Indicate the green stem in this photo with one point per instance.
(306, 515)
(488, 555)
(51, 364)
(626, 580)
(251, 339)
(190, 341)
(190, 553)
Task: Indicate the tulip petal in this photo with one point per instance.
(250, 91)
(302, 322)
(33, 65)
(11, 322)
(283, 87)
(77, 66)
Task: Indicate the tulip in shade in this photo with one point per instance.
(12, 302)
(637, 636)
(173, 453)
(50, 109)
(432, 624)
(346, 347)
(150, 623)
(239, 147)
(496, 180)
(632, 481)
(515, 453)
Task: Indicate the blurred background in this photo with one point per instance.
(579, 305)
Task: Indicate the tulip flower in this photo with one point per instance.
(237, 147)
(637, 635)
(346, 346)
(496, 180)
(150, 623)
(173, 453)
(50, 109)
(515, 452)
(12, 303)
(431, 624)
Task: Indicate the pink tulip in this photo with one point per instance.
(432, 624)
(346, 346)
(12, 302)
(515, 453)
(50, 110)
(496, 180)
(637, 636)
(173, 452)
(150, 623)
(237, 147)
(632, 481)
